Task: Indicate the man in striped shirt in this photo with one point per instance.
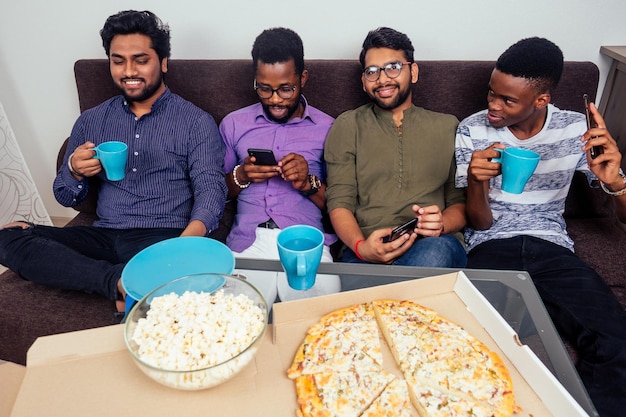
(527, 231)
(173, 184)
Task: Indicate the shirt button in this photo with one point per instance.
(80, 187)
(137, 135)
(136, 153)
(134, 169)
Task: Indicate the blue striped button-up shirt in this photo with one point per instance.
(174, 171)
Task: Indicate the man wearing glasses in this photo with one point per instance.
(290, 189)
(390, 162)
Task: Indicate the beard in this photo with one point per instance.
(147, 92)
(400, 98)
(291, 109)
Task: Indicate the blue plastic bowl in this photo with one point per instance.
(170, 259)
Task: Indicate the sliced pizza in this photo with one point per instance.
(483, 379)
(394, 401)
(339, 394)
(325, 348)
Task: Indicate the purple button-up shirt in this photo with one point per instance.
(277, 199)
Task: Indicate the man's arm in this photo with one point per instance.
(606, 166)
(208, 186)
(481, 169)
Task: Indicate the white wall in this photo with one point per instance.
(40, 40)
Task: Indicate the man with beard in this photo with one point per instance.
(390, 162)
(292, 190)
(173, 184)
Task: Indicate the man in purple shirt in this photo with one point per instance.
(291, 189)
(173, 184)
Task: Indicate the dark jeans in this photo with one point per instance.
(444, 251)
(581, 305)
(82, 258)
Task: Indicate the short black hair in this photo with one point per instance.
(536, 59)
(384, 37)
(278, 45)
(145, 23)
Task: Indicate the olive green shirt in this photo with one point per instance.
(378, 171)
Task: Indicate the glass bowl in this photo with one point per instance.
(197, 331)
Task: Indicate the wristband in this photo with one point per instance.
(69, 165)
(614, 193)
(240, 185)
(356, 249)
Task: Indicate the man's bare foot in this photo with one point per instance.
(23, 225)
(120, 303)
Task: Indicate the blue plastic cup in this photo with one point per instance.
(300, 250)
(518, 165)
(112, 156)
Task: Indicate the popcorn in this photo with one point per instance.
(194, 331)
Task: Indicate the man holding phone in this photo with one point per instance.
(389, 162)
(274, 153)
(527, 231)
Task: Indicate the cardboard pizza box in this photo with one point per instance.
(11, 376)
(91, 373)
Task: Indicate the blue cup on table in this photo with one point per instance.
(300, 250)
(518, 165)
(112, 156)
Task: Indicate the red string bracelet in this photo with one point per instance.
(356, 249)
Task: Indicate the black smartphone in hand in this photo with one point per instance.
(263, 156)
(595, 150)
(403, 229)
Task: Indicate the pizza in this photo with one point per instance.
(444, 371)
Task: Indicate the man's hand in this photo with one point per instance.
(82, 161)
(376, 251)
(481, 167)
(295, 169)
(429, 220)
(249, 172)
(606, 165)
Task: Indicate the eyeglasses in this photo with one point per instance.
(284, 92)
(392, 70)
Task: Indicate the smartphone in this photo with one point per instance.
(403, 229)
(263, 156)
(595, 150)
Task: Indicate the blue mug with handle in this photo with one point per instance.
(518, 165)
(300, 250)
(112, 156)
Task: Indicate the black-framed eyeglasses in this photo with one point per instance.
(284, 91)
(392, 70)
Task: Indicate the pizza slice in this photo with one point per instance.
(402, 323)
(442, 339)
(394, 401)
(481, 379)
(431, 402)
(345, 394)
(325, 348)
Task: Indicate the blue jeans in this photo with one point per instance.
(581, 305)
(82, 258)
(444, 251)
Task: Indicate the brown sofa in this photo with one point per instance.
(221, 86)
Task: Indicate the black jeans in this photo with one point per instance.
(581, 305)
(82, 258)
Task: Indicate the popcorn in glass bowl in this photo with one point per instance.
(197, 331)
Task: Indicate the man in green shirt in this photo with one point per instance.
(389, 162)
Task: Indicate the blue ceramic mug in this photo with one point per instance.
(518, 165)
(112, 156)
(300, 250)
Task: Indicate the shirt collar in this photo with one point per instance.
(159, 103)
